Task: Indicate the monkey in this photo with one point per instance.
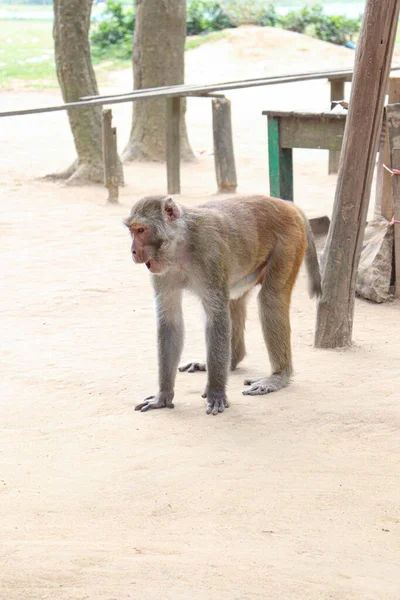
(220, 251)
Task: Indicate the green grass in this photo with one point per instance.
(17, 8)
(195, 41)
(26, 53)
(27, 56)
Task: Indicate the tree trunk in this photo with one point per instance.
(158, 60)
(360, 144)
(76, 78)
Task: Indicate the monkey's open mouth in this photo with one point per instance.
(148, 265)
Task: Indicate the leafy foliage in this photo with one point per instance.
(299, 20)
(203, 16)
(255, 12)
(337, 29)
(114, 29)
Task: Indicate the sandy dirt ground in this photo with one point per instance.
(291, 496)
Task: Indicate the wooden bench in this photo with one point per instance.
(288, 130)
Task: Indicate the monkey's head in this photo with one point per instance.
(155, 224)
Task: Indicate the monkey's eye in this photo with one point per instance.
(140, 230)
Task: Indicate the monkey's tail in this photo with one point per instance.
(312, 264)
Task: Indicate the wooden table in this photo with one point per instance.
(288, 130)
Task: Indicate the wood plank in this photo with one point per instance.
(383, 193)
(342, 78)
(316, 132)
(383, 190)
(224, 156)
(173, 146)
(110, 157)
(393, 119)
(337, 93)
(360, 144)
(175, 91)
(280, 163)
(319, 225)
(396, 203)
(303, 114)
(340, 73)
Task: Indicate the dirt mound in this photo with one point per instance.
(251, 51)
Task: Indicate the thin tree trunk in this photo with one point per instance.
(158, 60)
(76, 78)
(357, 159)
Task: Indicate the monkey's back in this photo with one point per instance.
(249, 228)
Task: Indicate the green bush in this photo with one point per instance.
(337, 29)
(299, 20)
(114, 29)
(269, 17)
(203, 16)
(256, 12)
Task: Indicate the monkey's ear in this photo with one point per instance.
(171, 210)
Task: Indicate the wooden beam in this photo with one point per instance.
(319, 225)
(224, 156)
(340, 73)
(396, 198)
(383, 194)
(363, 125)
(173, 145)
(280, 163)
(337, 93)
(313, 132)
(393, 120)
(110, 157)
(174, 91)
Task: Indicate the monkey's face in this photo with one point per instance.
(146, 247)
(153, 237)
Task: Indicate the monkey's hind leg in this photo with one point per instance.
(238, 320)
(274, 304)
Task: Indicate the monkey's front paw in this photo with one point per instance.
(216, 402)
(158, 401)
(193, 366)
(258, 387)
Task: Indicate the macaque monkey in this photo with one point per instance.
(220, 251)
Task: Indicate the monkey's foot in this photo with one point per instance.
(216, 402)
(258, 387)
(159, 401)
(193, 366)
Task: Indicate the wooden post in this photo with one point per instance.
(280, 163)
(110, 157)
(337, 93)
(360, 144)
(396, 198)
(383, 195)
(224, 156)
(173, 145)
(393, 118)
